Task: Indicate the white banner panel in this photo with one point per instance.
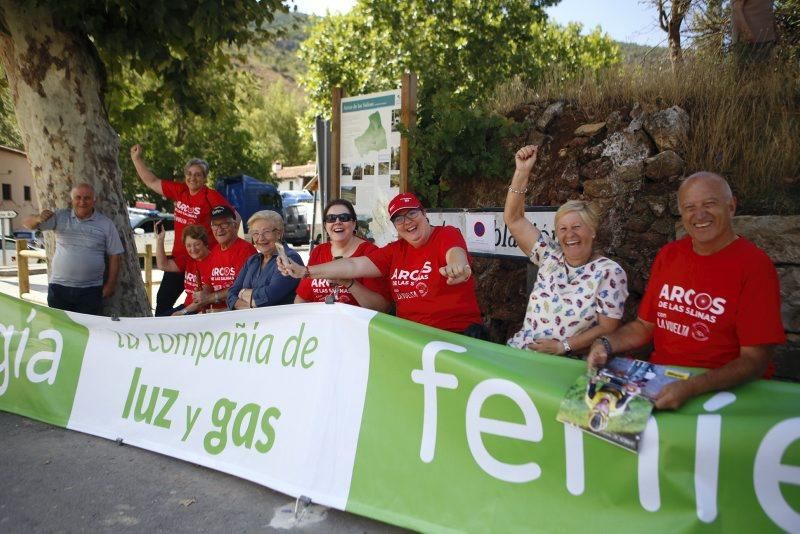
(256, 393)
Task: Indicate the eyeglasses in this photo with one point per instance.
(407, 216)
(341, 217)
(222, 226)
(264, 233)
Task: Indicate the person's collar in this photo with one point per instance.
(89, 218)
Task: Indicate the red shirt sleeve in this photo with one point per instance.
(172, 190)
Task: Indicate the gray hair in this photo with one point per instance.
(83, 185)
(203, 164)
(267, 216)
(718, 179)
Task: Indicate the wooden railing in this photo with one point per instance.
(23, 269)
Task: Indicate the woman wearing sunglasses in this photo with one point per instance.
(343, 242)
(427, 267)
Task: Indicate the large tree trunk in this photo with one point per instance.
(56, 83)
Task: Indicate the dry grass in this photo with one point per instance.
(744, 127)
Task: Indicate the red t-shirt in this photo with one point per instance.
(705, 308)
(316, 289)
(224, 265)
(421, 293)
(192, 209)
(194, 272)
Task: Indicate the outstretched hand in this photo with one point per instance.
(288, 267)
(44, 215)
(136, 151)
(456, 273)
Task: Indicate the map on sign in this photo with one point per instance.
(370, 157)
(374, 138)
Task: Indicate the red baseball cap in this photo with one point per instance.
(403, 201)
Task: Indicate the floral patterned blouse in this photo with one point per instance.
(567, 300)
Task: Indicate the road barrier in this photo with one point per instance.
(23, 269)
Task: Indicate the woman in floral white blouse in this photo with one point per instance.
(578, 295)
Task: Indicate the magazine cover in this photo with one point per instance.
(616, 403)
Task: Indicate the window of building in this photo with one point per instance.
(6, 191)
(291, 185)
(27, 193)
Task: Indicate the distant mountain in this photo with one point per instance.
(278, 59)
(636, 54)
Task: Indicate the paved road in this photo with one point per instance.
(56, 480)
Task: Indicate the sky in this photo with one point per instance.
(632, 21)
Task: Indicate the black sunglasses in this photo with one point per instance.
(341, 217)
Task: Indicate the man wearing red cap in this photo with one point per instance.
(427, 267)
(225, 260)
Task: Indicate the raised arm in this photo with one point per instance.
(32, 222)
(145, 174)
(457, 270)
(524, 232)
(162, 261)
(359, 267)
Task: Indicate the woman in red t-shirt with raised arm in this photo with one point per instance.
(427, 267)
(193, 202)
(343, 242)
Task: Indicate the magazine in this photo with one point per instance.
(616, 403)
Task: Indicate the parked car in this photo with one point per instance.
(295, 197)
(34, 237)
(143, 223)
(296, 229)
(10, 247)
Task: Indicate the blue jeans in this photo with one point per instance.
(87, 300)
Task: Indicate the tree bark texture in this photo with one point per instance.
(56, 83)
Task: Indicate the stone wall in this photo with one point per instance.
(629, 166)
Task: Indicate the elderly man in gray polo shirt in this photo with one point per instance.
(84, 238)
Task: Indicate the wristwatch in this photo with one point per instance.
(567, 348)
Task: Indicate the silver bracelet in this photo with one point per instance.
(517, 191)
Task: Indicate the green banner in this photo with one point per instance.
(42, 352)
(461, 434)
(400, 422)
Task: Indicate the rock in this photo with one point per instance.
(570, 178)
(598, 168)
(665, 227)
(625, 148)
(663, 165)
(657, 206)
(778, 236)
(550, 114)
(631, 172)
(609, 187)
(614, 121)
(790, 297)
(639, 224)
(589, 130)
(669, 128)
(536, 137)
(591, 152)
